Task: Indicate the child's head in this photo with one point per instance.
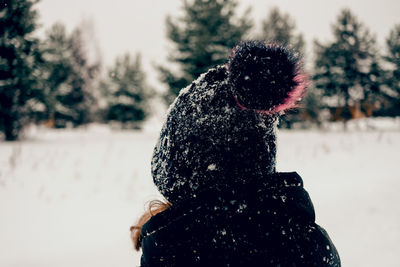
(221, 128)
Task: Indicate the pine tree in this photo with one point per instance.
(202, 38)
(126, 92)
(81, 98)
(68, 77)
(393, 73)
(346, 68)
(279, 27)
(18, 56)
(56, 72)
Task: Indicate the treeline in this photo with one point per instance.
(56, 80)
(351, 76)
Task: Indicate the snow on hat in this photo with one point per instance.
(221, 128)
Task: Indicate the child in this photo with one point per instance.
(215, 165)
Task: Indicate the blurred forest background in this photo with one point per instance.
(59, 80)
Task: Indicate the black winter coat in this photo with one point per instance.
(268, 222)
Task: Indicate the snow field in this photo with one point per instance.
(68, 198)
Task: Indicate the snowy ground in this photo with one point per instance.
(68, 198)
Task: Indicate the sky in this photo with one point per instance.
(139, 25)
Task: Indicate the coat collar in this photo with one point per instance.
(283, 190)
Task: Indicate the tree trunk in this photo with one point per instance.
(346, 109)
(11, 130)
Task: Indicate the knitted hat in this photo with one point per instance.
(221, 128)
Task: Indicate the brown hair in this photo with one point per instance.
(154, 207)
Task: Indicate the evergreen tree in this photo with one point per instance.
(81, 98)
(18, 55)
(56, 72)
(393, 73)
(202, 38)
(347, 68)
(68, 77)
(278, 27)
(126, 92)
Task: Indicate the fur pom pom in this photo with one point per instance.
(265, 77)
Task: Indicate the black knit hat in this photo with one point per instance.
(221, 128)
